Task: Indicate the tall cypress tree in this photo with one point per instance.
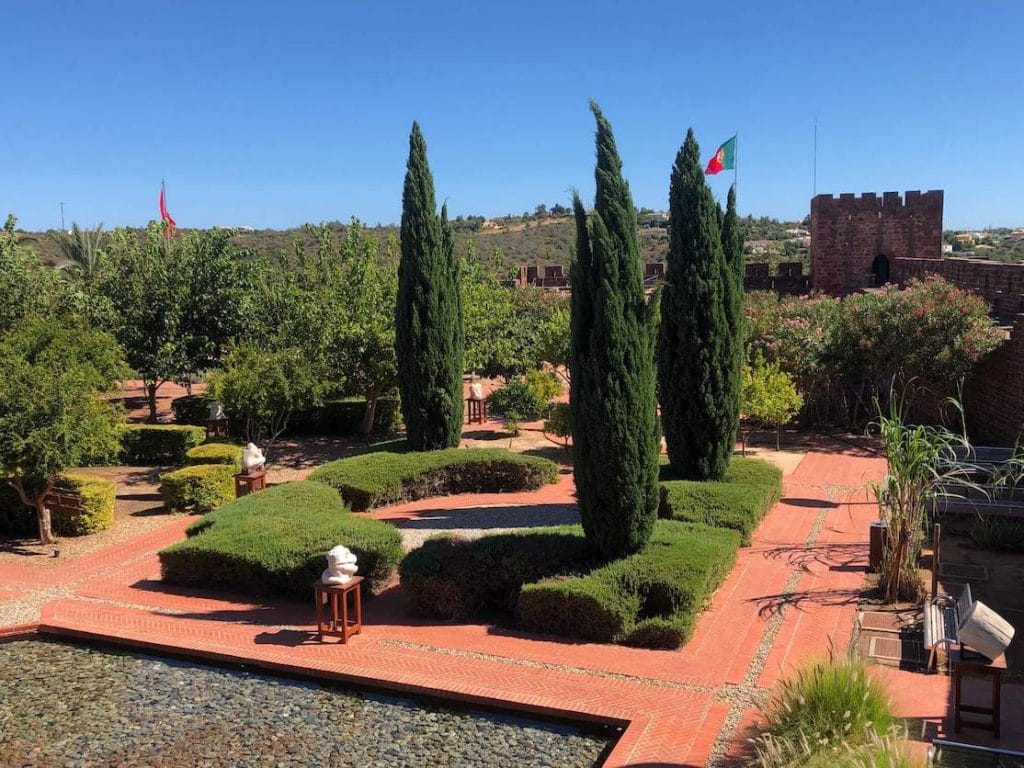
(732, 238)
(429, 336)
(698, 345)
(615, 432)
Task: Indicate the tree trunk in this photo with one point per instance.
(369, 414)
(151, 400)
(43, 517)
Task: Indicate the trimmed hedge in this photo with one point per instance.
(344, 416)
(215, 453)
(98, 496)
(274, 542)
(192, 409)
(379, 478)
(158, 444)
(199, 488)
(545, 576)
(739, 502)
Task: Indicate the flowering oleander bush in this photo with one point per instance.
(845, 353)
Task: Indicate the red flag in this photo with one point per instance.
(164, 215)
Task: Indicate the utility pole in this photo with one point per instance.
(62, 227)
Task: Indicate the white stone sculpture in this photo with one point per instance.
(217, 411)
(476, 390)
(252, 458)
(341, 566)
(985, 631)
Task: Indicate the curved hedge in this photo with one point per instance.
(199, 488)
(192, 409)
(215, 453)
(546, 577)
(98, 496)
(274, 542)
(375, 479)
(158, 444)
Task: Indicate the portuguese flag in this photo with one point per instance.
(724, 158)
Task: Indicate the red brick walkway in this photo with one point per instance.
(791, 594)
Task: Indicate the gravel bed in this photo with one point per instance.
(474, 522)
(73, 706)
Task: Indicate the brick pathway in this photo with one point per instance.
(791, 595)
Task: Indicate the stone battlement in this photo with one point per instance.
(891, 203)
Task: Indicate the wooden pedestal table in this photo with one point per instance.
(962, 663)
(336, 596)
(476, 410)
(250, 483)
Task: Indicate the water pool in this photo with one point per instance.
(73, 705)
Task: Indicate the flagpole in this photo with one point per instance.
(736, 162)
(814, 179)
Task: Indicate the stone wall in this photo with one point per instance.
(1000, 283)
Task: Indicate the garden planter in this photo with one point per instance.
(878, 533)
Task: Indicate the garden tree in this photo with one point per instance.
(732, 241)
(262, 388)
(611, 360)
(24, 287)
(698, 349)
(429, 338)
(52, 411)
(82, 250)
(770, 397)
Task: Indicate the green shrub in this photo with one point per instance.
(199, 488)
(558, 423)
(192, 409)
(547, 577)
(516, 401)
(343, 417)
(545, 386)
(834, 701)
(215, 453)
(649, 599)
(999, 534)
(274, 542)
(739, 501)
(158, 444)
(379, 478)
(98, 496)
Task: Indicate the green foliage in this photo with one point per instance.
(192, 409)
(615, 431)
(559, 423)
(82, 250)
(699, 348)
(831, 703)
(273, 543)
(846, 353)
(515, 401)
(215, 453)
(198, 488)
(429, 337)
(98, 495)
(999, 534)
(344, 417)
(769, 395)
(158, 444)
(261, 389)
(379, 478)
(24, 286)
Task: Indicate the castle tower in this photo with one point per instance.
(854, 240)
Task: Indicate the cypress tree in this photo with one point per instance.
(429, 336)
(698, 346)
(615, 432)
(732, 238)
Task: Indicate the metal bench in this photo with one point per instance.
(942, 622)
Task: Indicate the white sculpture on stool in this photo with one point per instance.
(341, 566)
(252, 459)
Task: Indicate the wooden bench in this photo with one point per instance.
(65, 503)
(942, 622)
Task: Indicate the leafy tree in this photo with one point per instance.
(611, 363)
(698, 351)
(261, 389)
(52, 413)
(82, 250)
(429, 339)
(24, 288)
(770, 397)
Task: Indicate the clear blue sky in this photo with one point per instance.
(270, 114)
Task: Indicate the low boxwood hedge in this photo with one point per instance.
(98, 494)
(546, 578)
(192, 409)
(199, 488)
(383, 477)
(746, 493)
(158, 444)
(274, 542)
(215, 453)
(343, 417)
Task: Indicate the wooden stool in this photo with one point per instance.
(337, 595)
(961, 662)
(216, 428)
(476, 410)
(250, 483)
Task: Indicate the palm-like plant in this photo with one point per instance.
(82, 250)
